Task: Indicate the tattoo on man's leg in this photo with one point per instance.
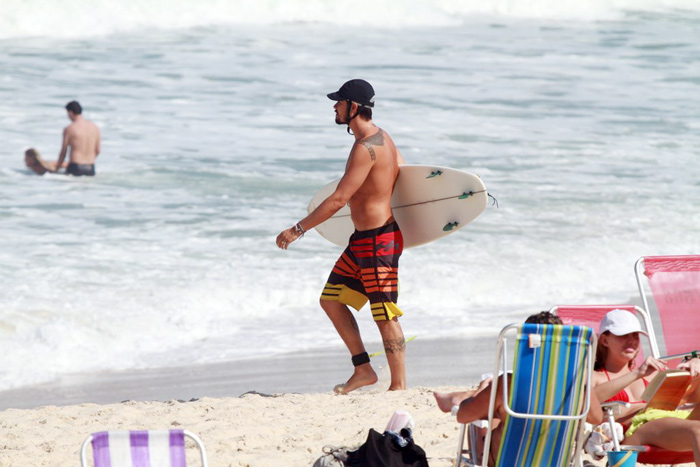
(394, 345)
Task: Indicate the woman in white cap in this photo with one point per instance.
(616, 378)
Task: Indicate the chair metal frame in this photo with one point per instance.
(639, 273)
(502, 366)
(188, 434)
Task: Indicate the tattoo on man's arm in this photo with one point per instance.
(374, 140)
(395, 345)
(369, 147)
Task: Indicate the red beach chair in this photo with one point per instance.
(672, 297)
(591, 315)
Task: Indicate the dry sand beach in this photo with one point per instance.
(265, 427)
(251, 430)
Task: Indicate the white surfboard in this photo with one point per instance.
(429, 202)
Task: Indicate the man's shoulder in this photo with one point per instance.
(378, 135)
(94, 127)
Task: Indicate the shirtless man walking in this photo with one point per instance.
(368, 268)
(83, 138)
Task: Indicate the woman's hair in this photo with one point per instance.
(601, 355)
(543, 317)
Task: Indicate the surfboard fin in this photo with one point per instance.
(435, 173)
(449, 226)
(466, 195)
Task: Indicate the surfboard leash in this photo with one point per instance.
(495, 201)
(381, 351)
(464, 195)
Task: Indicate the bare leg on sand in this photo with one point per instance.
(347, 328)
(395, 348)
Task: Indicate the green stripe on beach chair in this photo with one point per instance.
(546, 399)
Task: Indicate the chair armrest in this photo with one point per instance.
(614, 407)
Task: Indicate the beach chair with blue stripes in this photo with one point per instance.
(152, 448)
(547, 398)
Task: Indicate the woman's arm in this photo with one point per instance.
(607, 389)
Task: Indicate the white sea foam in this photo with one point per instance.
(76, 18)
(214, 140)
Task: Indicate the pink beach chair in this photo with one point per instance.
(591, 315)
(670, 291)
(153, 448)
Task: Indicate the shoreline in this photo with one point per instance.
(446, 361)
(259, 412)
(429, 362)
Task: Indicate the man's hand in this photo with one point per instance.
(286, 237)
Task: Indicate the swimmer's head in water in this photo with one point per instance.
(74, 106)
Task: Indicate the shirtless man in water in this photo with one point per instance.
(368, 268)
(83, 139)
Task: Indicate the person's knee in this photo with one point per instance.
(695, 430)
(389, 325)
(327, 305)
(331, 307)
(387, 322)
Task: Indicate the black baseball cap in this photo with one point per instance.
(356, 90)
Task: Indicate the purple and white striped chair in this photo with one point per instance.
(152, 448)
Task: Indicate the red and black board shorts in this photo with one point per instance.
(368, 270)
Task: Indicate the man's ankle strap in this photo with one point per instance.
(360, 359)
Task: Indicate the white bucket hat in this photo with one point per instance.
(620, 323)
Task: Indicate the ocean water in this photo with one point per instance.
(581, 118)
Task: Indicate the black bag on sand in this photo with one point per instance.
(382, 450)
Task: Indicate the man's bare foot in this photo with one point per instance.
(447, 400)
(364, 375)
(392, 388)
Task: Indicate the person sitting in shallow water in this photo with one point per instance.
(616, 378)
(37, 164)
